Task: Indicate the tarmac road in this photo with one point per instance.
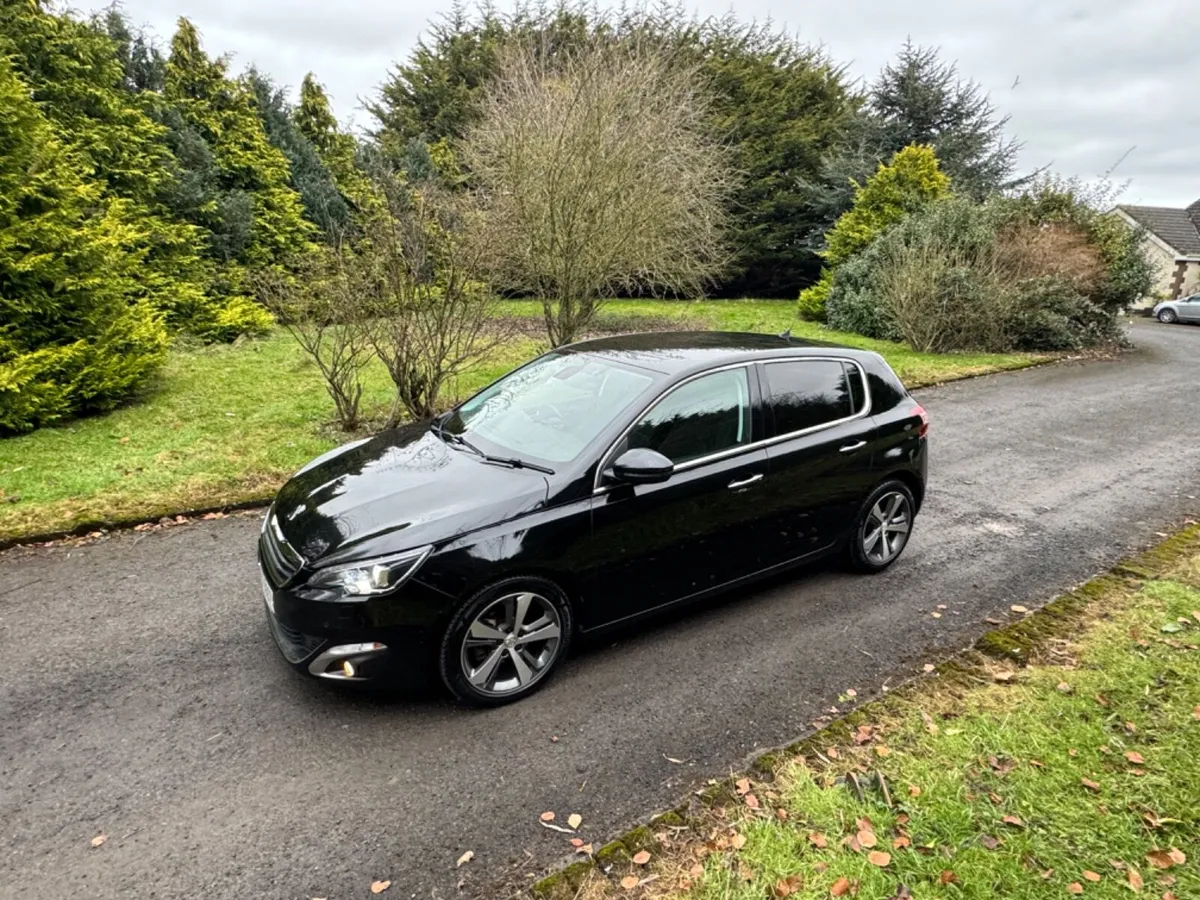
(141, 695)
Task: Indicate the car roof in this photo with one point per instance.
(683, 352)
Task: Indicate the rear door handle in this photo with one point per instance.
(850, 448)
(745, 482)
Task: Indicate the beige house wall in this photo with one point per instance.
(1163, 264)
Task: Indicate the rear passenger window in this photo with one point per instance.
(805, 394)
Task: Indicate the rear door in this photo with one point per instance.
(1189, 309)
(656, 543)
(821, 443)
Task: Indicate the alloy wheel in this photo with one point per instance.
(511, 644)
(886, 530)
(1167, 316)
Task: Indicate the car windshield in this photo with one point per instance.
(551, 409)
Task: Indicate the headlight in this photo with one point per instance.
(370, 577)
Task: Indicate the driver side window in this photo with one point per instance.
(700, 418)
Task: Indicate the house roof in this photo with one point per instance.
(1179, 228)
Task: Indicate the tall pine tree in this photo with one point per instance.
(77, 334)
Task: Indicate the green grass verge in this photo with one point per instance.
(226, 425)
(1074, 775)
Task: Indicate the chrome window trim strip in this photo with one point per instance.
(606, 457)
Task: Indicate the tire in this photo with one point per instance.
(488, 658)
(894, 500)
(1167, 316)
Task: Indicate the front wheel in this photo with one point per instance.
(1167, 316)
(882, 528)
(505, 642)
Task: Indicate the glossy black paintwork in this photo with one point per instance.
(618, 550)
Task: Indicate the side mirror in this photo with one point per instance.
(642, 466)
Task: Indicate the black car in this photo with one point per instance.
(598, 483)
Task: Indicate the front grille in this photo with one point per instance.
(280, 562)
(295, 646)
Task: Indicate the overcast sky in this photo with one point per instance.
(1084, 80)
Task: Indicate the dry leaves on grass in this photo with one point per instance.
(844, 886)
(1135, 879)
(1014, 821)
(738, 841)
(1074, 888)
(879, 858)
(867, 839)
(1089, 875)
(742, 786)
(1089, 784)
(818, 840)
(785, 887)
(1134, 757)
(947, 877)
(751, 801)
(641, 857)
(629, 882)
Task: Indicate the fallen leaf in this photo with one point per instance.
(1074, 888)
(818, 840)
(586, 848)
(947, 877)
(833, 754)
(928, 667)
(99, 839)
(1089, 784)
(902, 819)
(1168, 895)
(1137, 772)
(901, 842)
(1013, 820)
(738, 841)
(1134, 757)
(879, 858)
(867, 839)
(547, 817)
(936, 615)
(841, 887)
(1002, 677)
(641, 857)
(124, 440)
(752, 801)
(1160, 859)
(1196, 711)
(1018, 608)
(881, 750)
(914, 791)
(1090, 875)
(465, 858)
(1178, 856)
(988, 841)
(378, 887)
(696, 871)
(863, 734)
(1063, 688)
(574, 820)
(930, 725)
(742, 785)
(1135, 879)
(851, 693)
(629, 882)
(781, 814)
(671, 759)
(1130, 727)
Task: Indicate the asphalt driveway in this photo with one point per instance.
(141, 696)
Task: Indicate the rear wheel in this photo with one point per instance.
(883, 527)
(505, 642)
(1167, 316)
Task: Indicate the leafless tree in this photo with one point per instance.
(599, 176)
(420, 267)
(316, 302)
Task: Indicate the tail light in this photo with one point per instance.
(919, 410)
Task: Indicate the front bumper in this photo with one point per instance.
(391, 639)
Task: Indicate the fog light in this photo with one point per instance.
(348, 669)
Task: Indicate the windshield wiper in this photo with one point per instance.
(460, 441)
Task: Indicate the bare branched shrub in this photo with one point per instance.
(1057, 249)
(317, 303)
(419, 274)
(599, 176)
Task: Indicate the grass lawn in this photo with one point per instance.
(1075, 775)
(227, 424)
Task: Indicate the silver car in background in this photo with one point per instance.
(1185, 309)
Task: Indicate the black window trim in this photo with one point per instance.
(763, 399)
(766, 396)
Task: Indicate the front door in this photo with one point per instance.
(655, 543)
(1189, 309)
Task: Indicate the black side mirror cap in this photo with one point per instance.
(642, 466)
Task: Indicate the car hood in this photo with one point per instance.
(400, 489)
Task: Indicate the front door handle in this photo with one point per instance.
(745, 482)
(850, 448)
